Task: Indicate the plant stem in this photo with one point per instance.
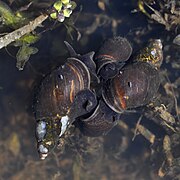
(18, 33)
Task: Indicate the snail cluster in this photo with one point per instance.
(93, 90)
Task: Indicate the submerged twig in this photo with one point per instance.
(18, 33)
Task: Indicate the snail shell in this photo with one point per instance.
(112, 56)
(134, 86)
(54, 99)
(87, 59)
(100, 122)
(58, 89)
(136, 83)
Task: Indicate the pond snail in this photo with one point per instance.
(54, 99)
(136, 82)
(92, 93)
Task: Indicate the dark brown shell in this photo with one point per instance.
(54, 99)
(58, 89)
(113, 53)
(100, 122)
(134, 86)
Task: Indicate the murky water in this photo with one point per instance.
(114, 156)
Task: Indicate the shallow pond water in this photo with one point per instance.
(113, 157)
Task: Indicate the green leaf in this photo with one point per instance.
(53, 15)
(7, 15)
(65, 1)
(58, 6)
(24, 54)
(67, 12)
(29, 38)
